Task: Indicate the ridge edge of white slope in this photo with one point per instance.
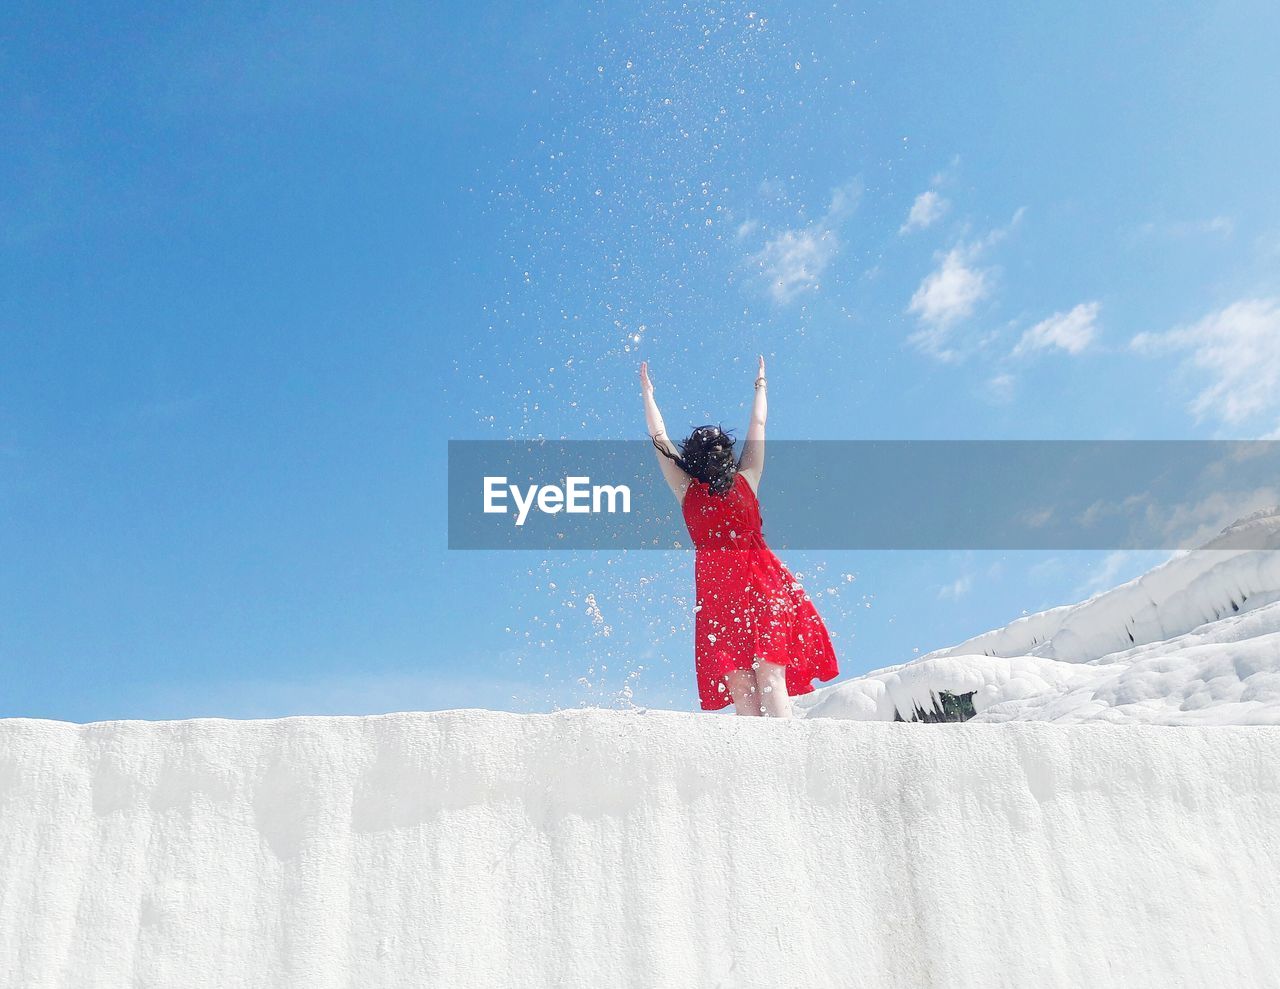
(1048, 663)
(589, 848)
(1223, 673)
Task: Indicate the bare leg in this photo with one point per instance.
(771, 678)
(742, 688)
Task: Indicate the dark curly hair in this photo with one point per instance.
(707, 455)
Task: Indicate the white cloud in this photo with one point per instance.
(1037, 518)
(844, 200)
(1070, 331)
(1109, 572)
(957, 589)
(1000, 233)
(1238, 349)
(925, 211)
(1219, 226)
(950, 293)
(1001, 388)
(794, 261)
(1045, 569)
(1193, 523)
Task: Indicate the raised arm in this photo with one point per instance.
(676, 479)
(751, 466)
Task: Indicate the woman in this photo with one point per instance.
(758, 638)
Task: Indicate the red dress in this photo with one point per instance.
(749, 606)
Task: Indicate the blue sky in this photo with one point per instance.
(260, 262)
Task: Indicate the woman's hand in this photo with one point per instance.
(760, 372)
(664, 449)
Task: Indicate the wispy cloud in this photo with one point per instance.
(1237, 349)
(1214, 226)
(1068, 331)
(957, 589)
(794, 261)
(951, 292)
(1109, 573)
(947, 295)
(1195, 522)
(1000, 388)
(927, 209)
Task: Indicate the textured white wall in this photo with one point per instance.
(650, 849)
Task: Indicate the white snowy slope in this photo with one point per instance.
(1195, 641)
(659, 849)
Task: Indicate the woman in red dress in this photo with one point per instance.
(758, 638)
